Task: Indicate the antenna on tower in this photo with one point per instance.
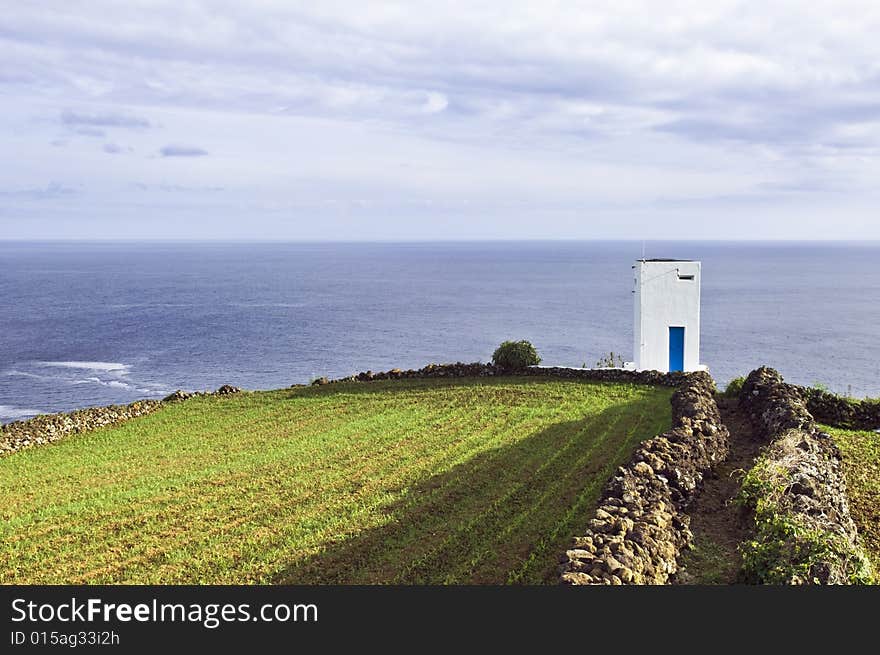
(643, 248)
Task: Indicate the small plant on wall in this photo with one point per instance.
(612, 360)
(734, 387)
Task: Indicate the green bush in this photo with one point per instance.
(515, 355)
(734, 387)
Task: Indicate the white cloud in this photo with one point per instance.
(72, 118)
(435, 102)
(558, 107)
(176, 150)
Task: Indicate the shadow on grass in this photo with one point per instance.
(503, 516)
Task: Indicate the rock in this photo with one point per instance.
(584, 543)
(612, 564)
(320, 382)
(575, 578)
(226, 390)
(177, 396)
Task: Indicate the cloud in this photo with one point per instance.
(690, 64)
(75, 119)
(709, 129)
(435, 102)
(115, 149)
(497, 105)
(90, 131)
(182, 151)
(51, 191)
(177, 188)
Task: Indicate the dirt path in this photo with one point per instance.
(716, 523)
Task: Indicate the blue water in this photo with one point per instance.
(95, 323)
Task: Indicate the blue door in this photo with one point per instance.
(676, 349)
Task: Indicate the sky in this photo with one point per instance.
(439, 120)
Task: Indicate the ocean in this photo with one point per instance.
(93, 323)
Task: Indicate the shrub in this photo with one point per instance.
(734, 387)
(515, 355)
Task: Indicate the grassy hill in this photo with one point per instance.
(419, 481)
(861, 465)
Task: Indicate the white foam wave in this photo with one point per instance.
(10, 413)
(101, 367)
(156, 389)
(116, 384)
(273, 305)
(24, 374)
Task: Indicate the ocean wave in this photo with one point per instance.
(24, 374)
(113, 375)
(148, 305)
(116, 384)
(273, 305)
(10, 413)
(82, 382)
(101, 367)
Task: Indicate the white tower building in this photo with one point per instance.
(667, 315)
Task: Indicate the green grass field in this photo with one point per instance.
(422, 481)
(861, 463)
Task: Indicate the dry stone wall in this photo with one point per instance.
(803, 531)
(831, 409)
(640, 527)
(47, 428)
(478, 369)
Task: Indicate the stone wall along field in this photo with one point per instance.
(478, 369)
(641, 527)
(51, 427)
(803, 532)
(831, 409)
(47, 428)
